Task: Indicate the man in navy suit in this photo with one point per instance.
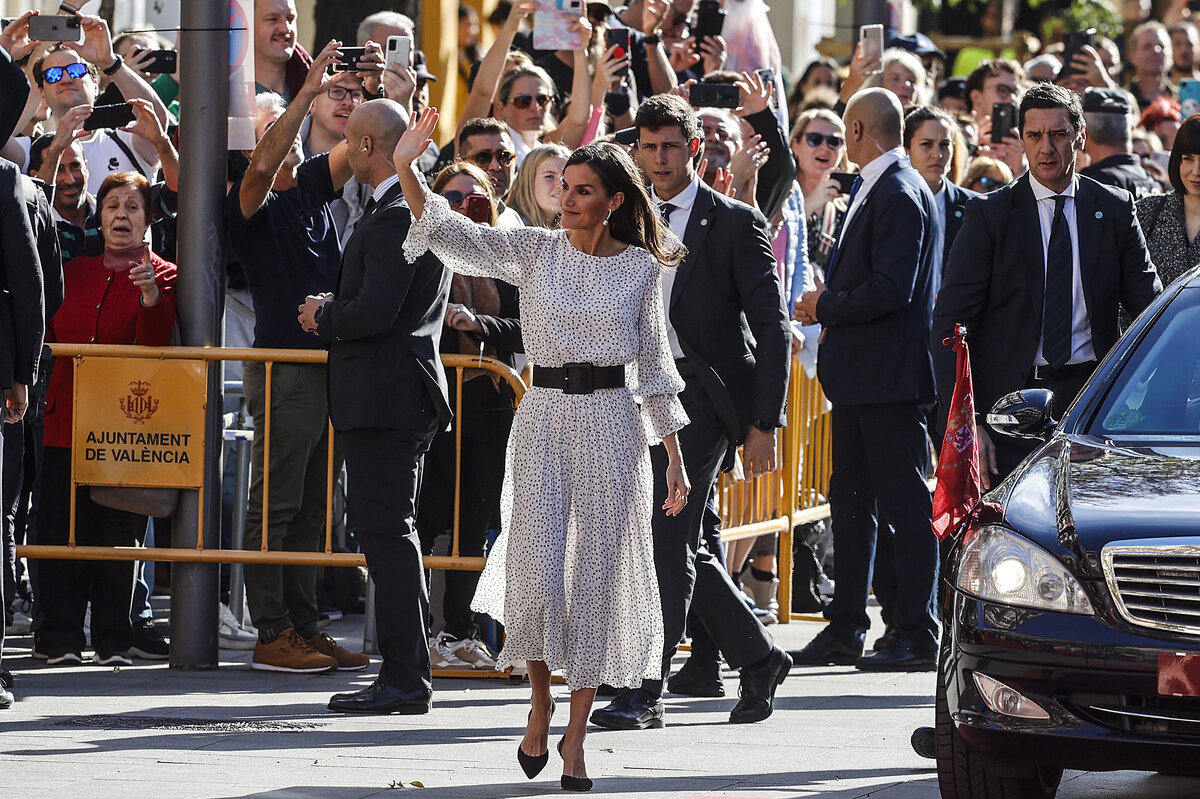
(876, 370)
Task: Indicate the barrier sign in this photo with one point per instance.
(139, 422)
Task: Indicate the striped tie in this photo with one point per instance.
(1059, 308)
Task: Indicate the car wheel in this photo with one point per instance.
(964, 773)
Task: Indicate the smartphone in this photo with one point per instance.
(1073, 43)
(871, 37)
(552, 23)
(845, 180)
(117, 115)
(710, 21)
(714, 95)
(1189, 97)
(626, 136)
(1004, 119)
(478, 209)
(618, 37)
(165, 62)
(348, 61)
(49, 28)
(398, 53)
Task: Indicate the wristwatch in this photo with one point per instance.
(320, 312)
(766, 427)
(115, 66)
(654, 38)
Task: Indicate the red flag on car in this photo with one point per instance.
(958, 484)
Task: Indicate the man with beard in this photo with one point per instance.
(282, 231)
(486, 143)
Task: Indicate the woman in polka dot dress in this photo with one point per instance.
(573, 575)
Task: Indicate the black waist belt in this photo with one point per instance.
(1070, 371)
(579, 378)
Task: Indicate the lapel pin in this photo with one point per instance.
(1099, 214)
(958, 214)
(703, 222)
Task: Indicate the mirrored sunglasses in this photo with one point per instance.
(55, 74)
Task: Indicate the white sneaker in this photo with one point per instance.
(232, 633)
(473, 652)
(440, 656)
(115, 659)
(65, 659)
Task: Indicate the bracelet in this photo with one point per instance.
(654, 38)
(115, 67)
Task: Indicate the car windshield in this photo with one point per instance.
(1157, 392)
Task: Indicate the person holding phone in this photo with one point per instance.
(68, 75)
(125, 295)
(481, 320)
(818, 141)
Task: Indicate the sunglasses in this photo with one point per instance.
(524, 101)
(55, 74)
(814, 139)
(988, 183)
(457, 198)
(483, 158)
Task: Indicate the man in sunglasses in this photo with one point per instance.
(486, 143)
(68, 76)
(282, 230)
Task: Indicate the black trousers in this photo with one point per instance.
(880, 456)
(384, 474)
(689, 572)
(68, 585)
(486, 420)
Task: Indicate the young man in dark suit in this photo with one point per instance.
(731, 339)
(387, 399)
(1030, 324)
(22, 325)
(875, 368)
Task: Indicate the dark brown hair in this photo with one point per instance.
(1187, 142)
(474, 173)
(635, 221)
(133, 180)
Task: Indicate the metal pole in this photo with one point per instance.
(370, 629)
(204, 92)
(237, 578)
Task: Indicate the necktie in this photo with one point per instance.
(837, 239)
(665, 210)
(370, 206)
(1059, 307)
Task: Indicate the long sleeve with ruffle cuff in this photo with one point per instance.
(653, 376)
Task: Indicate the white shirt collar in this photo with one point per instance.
(684, 199)
(881, 164)
(383, 187)
(1040, 192)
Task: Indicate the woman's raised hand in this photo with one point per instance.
(416, 139)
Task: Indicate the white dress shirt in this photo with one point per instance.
(1081, 328)
(683, 202)
(382, 188)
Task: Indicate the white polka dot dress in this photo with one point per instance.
(572, 576)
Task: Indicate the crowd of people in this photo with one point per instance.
(658, 222)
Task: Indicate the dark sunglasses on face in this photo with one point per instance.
(524, 101)
(55, 74)
(483, 158)
(814, 139)
(457, 198)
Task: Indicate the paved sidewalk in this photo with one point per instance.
(147, 731)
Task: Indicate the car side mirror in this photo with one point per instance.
(1024, 414)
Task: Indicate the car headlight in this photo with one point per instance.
(998, 565)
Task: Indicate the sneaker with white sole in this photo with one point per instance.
(440, 656)
(232, 633)
(65, 659)
(473, 652)
(290, 652)
(113, 659)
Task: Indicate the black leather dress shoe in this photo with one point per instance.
(697, 678)
(831, 648)
(381, 698)
(886, 640)
(900, 656)
(637, 709)
(758, 688)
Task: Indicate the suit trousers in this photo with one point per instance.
(689, 573)
(880, 457)
(486, 419)
(280, 597)
(1011, 451)
(383, 469)
(68, 585)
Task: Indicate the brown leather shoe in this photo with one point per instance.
(290, 652)
(346, 660)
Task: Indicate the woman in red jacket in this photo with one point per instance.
(124, 296)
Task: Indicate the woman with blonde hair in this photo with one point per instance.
(538, 184)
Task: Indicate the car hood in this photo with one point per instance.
(1078, 493)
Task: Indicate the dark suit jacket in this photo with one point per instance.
(22, 314)
(45, 235)
(996, 277)
(384, 327)
(727, 310)
(14, 91)
(876, 312)
(955, 210)
(777, 174)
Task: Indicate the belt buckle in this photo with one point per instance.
(577, 378)
(1038, 371)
